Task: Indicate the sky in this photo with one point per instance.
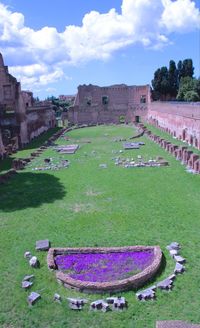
(51, 46)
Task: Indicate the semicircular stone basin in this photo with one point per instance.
(104, 269)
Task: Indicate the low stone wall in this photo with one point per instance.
(113, 286)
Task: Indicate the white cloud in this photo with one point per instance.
(37, 75)
(39, 57)
(180, 16)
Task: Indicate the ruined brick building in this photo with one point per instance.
(96, 105)
(20, 118)
(117, 103)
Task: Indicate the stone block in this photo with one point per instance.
(28, 277)
(34, 262)
(33, 298)
(166, 284)
(179, 259)
(179, 268)
(147, 294)
(173, 245)
(57, 297)
(27, 255)
(99, 305)
(26, 284)
(42, 245)
(173, 252)
(119, 303)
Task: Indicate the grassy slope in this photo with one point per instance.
(88, 206)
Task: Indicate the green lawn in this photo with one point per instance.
(85, 205)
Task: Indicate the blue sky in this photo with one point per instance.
(53, 46)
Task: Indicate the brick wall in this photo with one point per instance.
(121, 101)
(181, 120)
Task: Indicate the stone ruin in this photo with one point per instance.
(181, 153)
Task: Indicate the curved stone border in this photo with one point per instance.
(99, 287)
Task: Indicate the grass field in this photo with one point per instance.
(85, 205)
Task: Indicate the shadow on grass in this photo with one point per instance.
(29, 190)
(6, 164)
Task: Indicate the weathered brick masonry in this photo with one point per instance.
(96, 105)
(181, 120)
(20, 119)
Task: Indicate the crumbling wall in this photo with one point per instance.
(181, 120)
(39, 120)
(94, 104)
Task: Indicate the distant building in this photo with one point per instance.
(113, 104)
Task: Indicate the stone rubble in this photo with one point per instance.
(34, 262)
(33, 298)
(99, 305)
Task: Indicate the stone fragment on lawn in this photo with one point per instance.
(57, 297)
(173, 245)
(103, 166)
(79, 302)
(34, 262)
(33, 298)
(42, 245)
(99, 305)
(172, 277)
(179, 259)
(173, 252)
(75, 306)
(179, 268)
(28, 277)
(27, 255)
(146, 294)
(118, 303)
(26, 284)
(166, 284)
(76, 303)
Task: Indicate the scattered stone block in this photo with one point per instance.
(42, 245)
(76, 303)
(28, 277)
(131, 145)
(179, 268)
(173, 252)
(173, 245)
(147, 294)
(172, 277)
(27, 255)
(175, 324)
(166, 284)
(103, 166)
(57, 298)
(34, 262)
(99, 305)
(179, 259)
(75, 306)
(33, 298)
(26, 284)
(118, 303)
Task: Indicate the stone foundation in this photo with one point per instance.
(113, 286)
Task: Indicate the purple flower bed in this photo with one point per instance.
(104, 267)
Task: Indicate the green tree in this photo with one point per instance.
(173, 78)
(189, 89)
